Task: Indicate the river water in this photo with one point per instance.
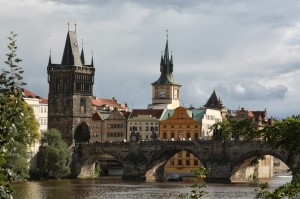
(115, 188)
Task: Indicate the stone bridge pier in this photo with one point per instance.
(219, 172)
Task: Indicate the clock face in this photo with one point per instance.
(162, 93)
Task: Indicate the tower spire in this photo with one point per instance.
(49, 62)
(71, 54)
(92, 61)
(167, 49)
(82, 53)
(166, 66)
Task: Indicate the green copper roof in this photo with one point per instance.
(168, 113)
(197, 114)
(166, 69)
(105, 115)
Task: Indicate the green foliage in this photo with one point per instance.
(27, 134)
(54, 157)
(98, 169)
(228, 129)
(197, 187)
(12, 117)
(289, 190)
(283, 134)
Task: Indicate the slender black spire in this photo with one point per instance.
(82, 55)
(171, 63)
(49, 62)
(161, 62)
(92, 62)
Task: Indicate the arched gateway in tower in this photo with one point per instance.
(70, 93)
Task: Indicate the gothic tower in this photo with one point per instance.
(165, 91)
(70, 93)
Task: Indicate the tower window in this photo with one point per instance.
(82, 105)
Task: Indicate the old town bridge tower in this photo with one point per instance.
(70, 93)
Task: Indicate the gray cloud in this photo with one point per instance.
(251, 91)
(215, 44)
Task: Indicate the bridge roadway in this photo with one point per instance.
(146, 160)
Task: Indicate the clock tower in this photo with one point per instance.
(165, 91)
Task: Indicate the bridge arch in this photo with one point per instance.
(156, 166)
(86, 155)
(247, 159)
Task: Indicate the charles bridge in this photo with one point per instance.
(146, 160)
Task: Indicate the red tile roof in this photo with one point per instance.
(97, 116)
(110, 102)
(29, 94)
(153, 112)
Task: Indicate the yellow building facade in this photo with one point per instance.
(179, 125)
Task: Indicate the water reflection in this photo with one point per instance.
(115, 188)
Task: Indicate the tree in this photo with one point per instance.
(197, 187)
(54, 156)
(228, 129)
(284, 134)
(27, 135)
(12, 115)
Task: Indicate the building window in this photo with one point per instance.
(172, 135)
(187, 154)
(188, 135)
(179, 162)
(196, 136)
(187, 162)
(164, 135)
(180, 115)
(82, 105)
(172, 162)
(195, 162)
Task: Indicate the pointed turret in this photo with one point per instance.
(82, 57)
(92, 62)
(161, 62)
(166, 68)
(49, 62)
(71, 54)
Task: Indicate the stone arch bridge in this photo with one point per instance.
(146, 160)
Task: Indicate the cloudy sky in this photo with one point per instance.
(248, 51)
